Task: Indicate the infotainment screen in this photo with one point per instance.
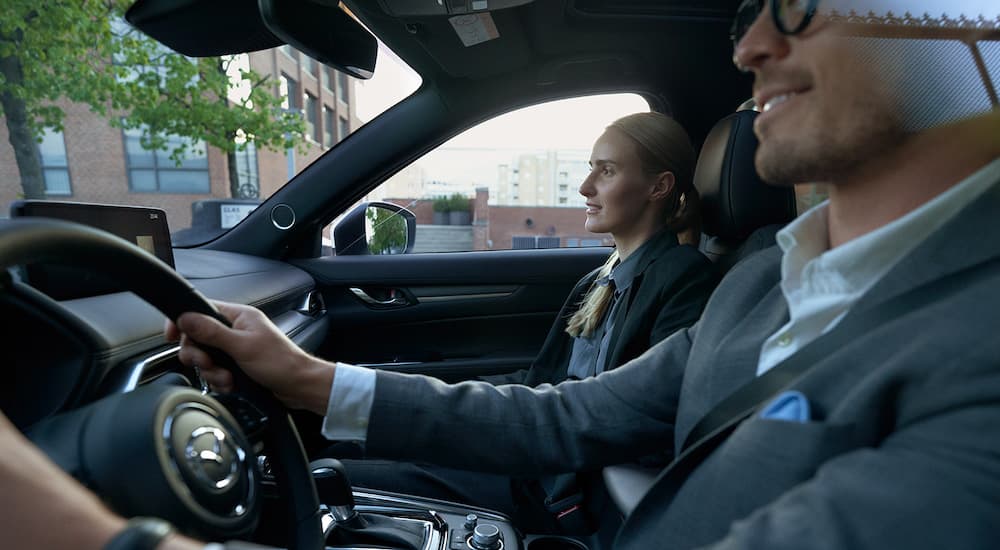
(146, 227)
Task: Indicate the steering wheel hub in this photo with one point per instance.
(211, 457)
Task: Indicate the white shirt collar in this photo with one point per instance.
(856, 265)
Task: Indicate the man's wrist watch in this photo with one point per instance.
(140, 533)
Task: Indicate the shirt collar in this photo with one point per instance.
(624, 273)
(859, 263)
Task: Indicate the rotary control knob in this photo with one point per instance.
(486, 536)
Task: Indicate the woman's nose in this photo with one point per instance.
(587, 187)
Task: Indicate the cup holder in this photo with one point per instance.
(555, 543)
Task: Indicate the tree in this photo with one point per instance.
(83, 51)
(387, 234)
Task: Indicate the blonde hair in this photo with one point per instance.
(662, 146)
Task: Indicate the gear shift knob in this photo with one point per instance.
(334, 488)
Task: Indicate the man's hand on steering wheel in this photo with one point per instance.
(263, 352)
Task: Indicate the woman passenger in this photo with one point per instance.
(640, 190)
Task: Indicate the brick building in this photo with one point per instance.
(89, 161)
(503, 227)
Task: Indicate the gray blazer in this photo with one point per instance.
(902, 450)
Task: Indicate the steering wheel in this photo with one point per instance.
(163, 450)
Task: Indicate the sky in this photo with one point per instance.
(573, 124)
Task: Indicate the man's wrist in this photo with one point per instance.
(311, 388)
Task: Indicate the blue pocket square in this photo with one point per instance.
(790, 405)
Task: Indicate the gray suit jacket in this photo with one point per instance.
(903, 450)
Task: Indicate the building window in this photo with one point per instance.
(247, 173)
(55, 168)
(345, 128)
(342, 86)
(328, 128)
(325, 77)
(309, 64)
(534, 241)
(289, 90)
(155, 172)
(288, 50)
(312, 117)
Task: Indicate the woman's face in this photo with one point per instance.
(619, 194)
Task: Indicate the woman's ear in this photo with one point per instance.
(662, 186)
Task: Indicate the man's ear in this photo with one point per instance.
(662, 186)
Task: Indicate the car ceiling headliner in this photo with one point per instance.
(676, 51)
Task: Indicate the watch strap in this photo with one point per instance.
(140, 533)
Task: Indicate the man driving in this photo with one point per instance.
(881, 442)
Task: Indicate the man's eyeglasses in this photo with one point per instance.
(789, 16)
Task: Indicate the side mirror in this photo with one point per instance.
(375, 228)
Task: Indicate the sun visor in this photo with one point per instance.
(205, 28)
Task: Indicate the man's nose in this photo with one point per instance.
(762, 41)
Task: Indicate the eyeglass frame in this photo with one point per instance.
(778, 23)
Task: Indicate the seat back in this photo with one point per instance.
(740, 213)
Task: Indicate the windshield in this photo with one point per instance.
(97, 112)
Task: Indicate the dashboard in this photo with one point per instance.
(64, 354)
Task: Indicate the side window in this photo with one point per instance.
(809, 195)
(510, 182)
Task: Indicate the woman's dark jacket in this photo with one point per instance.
(671, 287)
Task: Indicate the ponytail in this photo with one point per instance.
(594, 304)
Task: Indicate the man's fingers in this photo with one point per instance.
(230, 311)
(191, 354)
(170, 331)
(205, 330)
(218, 379)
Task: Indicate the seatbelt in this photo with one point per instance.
(727, 414)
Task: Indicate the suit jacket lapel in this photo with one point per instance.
(625, 325)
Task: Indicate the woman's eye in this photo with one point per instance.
(607, 171)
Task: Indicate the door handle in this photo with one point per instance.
(393, 297)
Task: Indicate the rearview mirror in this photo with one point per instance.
(320, 30)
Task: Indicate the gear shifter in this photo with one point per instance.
(334, 490)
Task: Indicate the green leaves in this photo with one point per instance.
(84, 51)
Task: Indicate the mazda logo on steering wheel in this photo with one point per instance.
(212, 456)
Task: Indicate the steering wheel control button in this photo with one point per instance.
(250, 418)
(486, 536)
(264, 465)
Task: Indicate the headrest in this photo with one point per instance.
(734, 200)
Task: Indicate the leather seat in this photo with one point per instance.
(740, 215)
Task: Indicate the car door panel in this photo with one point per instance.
(452, 315)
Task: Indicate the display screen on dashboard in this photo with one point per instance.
(145, 227)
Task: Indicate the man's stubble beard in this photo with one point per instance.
(833, 150)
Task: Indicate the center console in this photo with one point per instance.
(356, 518)
(445, 525)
